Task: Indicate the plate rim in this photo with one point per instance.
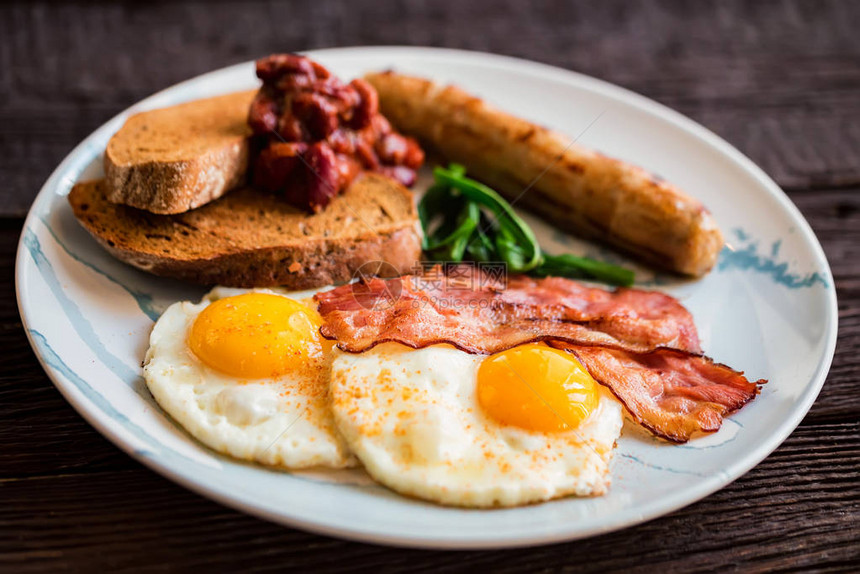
(704, 487)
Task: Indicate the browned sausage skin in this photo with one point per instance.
(577, 189)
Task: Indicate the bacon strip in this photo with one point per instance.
(642, 345)
(672, 393)
(481, 315)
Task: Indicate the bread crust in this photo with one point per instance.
(577, 189)
(253, 239)
(175, 159)
(177, 186)
(325, 263)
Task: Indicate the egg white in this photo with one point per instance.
(412, 418)
(284, 422)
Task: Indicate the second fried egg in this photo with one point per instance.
(525, 425)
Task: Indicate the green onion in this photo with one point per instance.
(436, 202)
(574, 267)
(528, 256)
(465, 230)
(481, 246)
(452, 246)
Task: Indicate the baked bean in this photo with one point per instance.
(315, 133)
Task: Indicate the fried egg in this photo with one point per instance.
(247, 373)
(524, 425)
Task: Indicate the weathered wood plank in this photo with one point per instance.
(797, 509)
(10, 230)
(778, 79)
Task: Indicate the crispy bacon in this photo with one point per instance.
(479, 314)
(672, 393)
(642, 345)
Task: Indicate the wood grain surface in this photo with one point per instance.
(778, 79)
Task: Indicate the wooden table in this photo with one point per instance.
(779, 80)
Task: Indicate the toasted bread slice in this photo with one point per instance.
(175, 159)
(250, 238)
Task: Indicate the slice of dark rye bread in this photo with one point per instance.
(250, 238)
(174, 159)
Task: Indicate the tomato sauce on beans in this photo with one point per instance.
(315, 133)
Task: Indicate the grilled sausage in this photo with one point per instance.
(577, 189)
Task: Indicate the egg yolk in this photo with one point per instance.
(537, 388)
(257, 335)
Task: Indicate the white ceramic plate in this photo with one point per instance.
(768, 308)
